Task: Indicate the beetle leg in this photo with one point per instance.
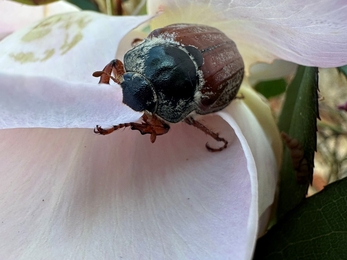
(99, 130)
(144, 128)
(151, 125)
(116, 67)
(215, 136)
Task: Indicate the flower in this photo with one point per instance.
(68, 193)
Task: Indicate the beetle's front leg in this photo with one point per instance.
(116, 67)
(102, 131)
(144, 128)
(215, 136)
(151, 125)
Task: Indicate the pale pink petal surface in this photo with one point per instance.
(72, 194)
(15, 15)
(311, 33)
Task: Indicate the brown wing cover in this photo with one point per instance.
(223, 66)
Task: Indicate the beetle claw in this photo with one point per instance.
(210, 149)
(99, 130)
(96, 129)
(215, 136)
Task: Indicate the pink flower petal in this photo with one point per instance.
(307, 33)
(261, 165)
(251, 134)
(73, 194)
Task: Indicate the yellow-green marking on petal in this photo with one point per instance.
(70, 43)
(35, 34)
(48, 54)
(42, 29)
(23, 57)
(55, 35)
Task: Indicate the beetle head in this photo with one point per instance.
(138, 92)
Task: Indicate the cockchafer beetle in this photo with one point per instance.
(177, 71)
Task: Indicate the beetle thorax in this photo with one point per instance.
(165, 73)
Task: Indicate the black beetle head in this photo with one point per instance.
(138, 92)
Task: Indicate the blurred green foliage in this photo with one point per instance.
(299, 120)
(343, 70)
(34, 2)
(271, 88)
(316, 229)
(85, 4)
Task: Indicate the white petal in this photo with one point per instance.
(264, 71)
(261, 163)
(69, 194)
(28, 101)
(70, 46)
(312, 34)
(251, 134)
(15, 15)
(46, 75)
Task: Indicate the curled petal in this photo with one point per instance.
(263, 167)
(28, 101)
(121, 196)
(261, 110)
(264, 71)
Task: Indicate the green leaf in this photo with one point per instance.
(316, 229)
(271, 88)
(343, 70)
(299, 120)
(85, 4)
(35, 2)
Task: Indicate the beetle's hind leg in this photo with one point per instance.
(215, 136)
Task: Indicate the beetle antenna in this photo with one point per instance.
(215, 136)
(99, 74)
(114, 66)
